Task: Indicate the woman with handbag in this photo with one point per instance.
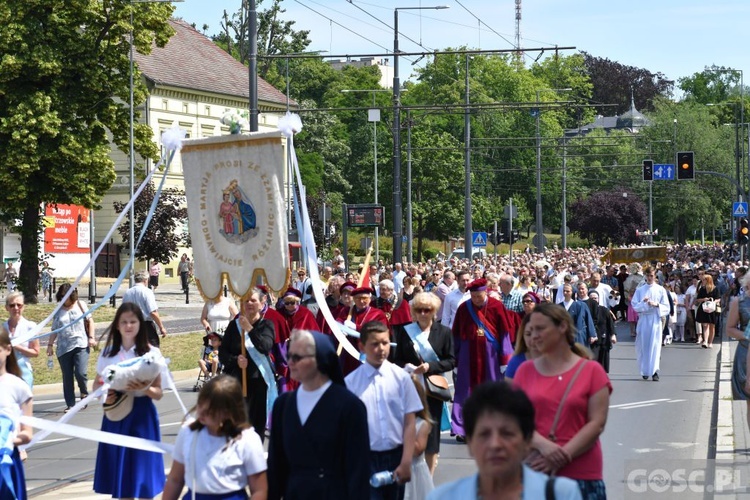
(428, 346)
(74, 339)
(707, 314)
(566, 443)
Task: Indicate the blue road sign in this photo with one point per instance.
(739, 209)
(664, 172)
(479, 239)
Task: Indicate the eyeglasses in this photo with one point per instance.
(423, 310)
(290, 302)
(296, 358)
(527, 301)
(15, 305)
(300, 274)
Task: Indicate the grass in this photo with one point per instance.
(38, 312)
(182, 350)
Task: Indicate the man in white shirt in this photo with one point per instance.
(456, 298)
(143, 297)
(446, 286)
(392, 403)
(398, 277)
(602, 289)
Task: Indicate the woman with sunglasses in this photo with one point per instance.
(415, 352)
(18, 326)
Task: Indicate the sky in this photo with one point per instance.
(675, 38)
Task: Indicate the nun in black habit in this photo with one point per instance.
(319, 446)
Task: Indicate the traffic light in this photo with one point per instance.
(743, 231)
(514, 236)
(685, 166)
(495, 238)
(648, 170)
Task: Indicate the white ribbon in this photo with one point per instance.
(49, 426)
(308, 241)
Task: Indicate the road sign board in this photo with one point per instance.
(739, 209)
(479, 239)
(664, 172)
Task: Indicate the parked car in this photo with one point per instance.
(460, 253)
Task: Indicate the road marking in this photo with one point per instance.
(647, 450)
(638, 404)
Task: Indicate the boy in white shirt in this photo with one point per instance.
(392, 403)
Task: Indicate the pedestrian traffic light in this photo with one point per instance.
(495, 238)
(648, 170)
(743, 231)
(685, 166)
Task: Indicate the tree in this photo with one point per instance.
(161, 241)
(64, 91)
(275, 36)
(609, 216)
(615, 83)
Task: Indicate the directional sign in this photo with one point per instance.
(664, 172)
(739, 209)
(479, 239)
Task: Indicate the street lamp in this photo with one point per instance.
(397, 209)
(373, 115)
(131, 234)
(539, 226)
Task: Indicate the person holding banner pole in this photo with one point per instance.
(244, 351)
(433, 357)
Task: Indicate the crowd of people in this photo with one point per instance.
(525, 341)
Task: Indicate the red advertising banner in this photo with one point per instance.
(66, 229)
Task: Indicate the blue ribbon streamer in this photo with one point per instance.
(495, 344)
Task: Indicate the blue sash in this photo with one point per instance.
(6, 451)
(421, 342)
(264, 366)
(491, 338)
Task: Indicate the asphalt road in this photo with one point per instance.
(650, 423)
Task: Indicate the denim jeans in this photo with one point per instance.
(74, 364)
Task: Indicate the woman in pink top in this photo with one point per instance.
(572, 448)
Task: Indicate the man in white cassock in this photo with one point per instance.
(652, 305)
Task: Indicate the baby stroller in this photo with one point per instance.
(209, 356)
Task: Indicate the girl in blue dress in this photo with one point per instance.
(127, 472)
(15, 400)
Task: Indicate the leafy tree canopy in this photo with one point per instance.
(64, 92)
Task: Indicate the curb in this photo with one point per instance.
(725, 423)
(57, 389)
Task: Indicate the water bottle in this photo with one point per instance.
(50, 362)
(383, 478)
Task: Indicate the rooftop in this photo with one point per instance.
(190, 60)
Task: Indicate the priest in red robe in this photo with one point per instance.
(361, 313)
(484, 333)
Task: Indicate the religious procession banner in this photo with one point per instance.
(636, 254)
(236, 211)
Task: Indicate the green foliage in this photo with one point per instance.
(64, 89)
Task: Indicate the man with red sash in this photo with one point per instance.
(361, 313)
(396, 309)
(278, 353)
(484, 333)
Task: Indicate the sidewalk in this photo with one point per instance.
(732, 434)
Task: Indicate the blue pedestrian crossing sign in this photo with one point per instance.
(479, 239)
(739, 209)
(664, 172)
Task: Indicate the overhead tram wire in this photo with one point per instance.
(340, 25)
(488, 26)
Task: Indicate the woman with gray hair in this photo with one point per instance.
(433, 357)
(319, 446)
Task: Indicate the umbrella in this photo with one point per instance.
(542, 263)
